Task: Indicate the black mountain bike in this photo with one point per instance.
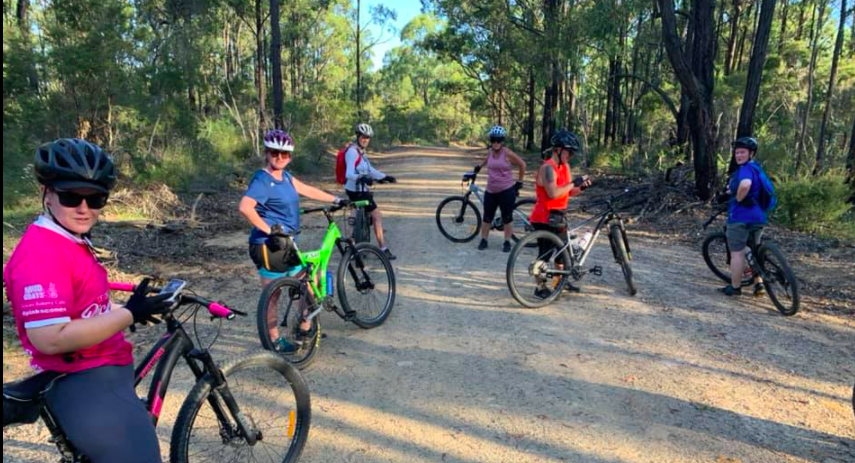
(459, 218)
(536, 279)
(365, 283)
(766, 261)
(253, 408)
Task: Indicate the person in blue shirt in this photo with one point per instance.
(272, 205)
(745, 217)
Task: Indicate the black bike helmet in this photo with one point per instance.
(565, 139)
(69, 163)
(746, 142)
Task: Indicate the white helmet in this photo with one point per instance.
(278, 140)
(363, 130)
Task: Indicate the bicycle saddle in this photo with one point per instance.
(32, 388)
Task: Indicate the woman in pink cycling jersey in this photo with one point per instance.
(60, 296)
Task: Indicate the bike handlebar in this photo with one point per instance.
(328, 209)
(216, 309)
(713, 217)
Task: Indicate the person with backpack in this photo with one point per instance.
(502, 188)
(751, 197)
(355, 172)
(271, 205)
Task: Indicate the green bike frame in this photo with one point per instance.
(318, 260)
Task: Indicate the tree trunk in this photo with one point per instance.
(783, 33)
(838, 46)
(610, 103)
(550, 100)
(731, 42)
(738, 60)
(358, 60)
(800, 143)
(801, 24)
(529, 130)
(755, 69)
(698, 80)
(276, 62)
(850, 159)
(23, 16)
(259, 64)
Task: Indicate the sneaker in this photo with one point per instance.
(731, 291)
(542, 293)
(388, 254)
(482, 245)
(284, 347)
(571, 287)
(759, 290)
(506, 247)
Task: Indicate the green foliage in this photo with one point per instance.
(813, 204)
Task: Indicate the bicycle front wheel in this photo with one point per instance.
(458, 219)
(261, 414)
(281, 308)
(617, 240)
(778, 279)
(530, 273)
(362, 226)
(366, 285)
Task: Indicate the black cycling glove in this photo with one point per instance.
(389, 179)
(477, 169)
(144, 307)
(343, 202)
(518, 186)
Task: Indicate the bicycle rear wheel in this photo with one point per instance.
(529, 273)
(366, 285)
(716, 254)
(778, 279)
(617, 238)
(458, 219)
(271, 399)
(522, 212)
(280, 305)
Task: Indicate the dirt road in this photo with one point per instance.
(461, 373)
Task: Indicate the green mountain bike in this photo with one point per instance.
(364, 281)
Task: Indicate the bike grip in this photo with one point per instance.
(118, 286)
(220, 311)
(362, 203)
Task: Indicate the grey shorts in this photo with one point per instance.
(738, 233)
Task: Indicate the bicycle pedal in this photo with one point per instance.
(323, 335)
(596, 270)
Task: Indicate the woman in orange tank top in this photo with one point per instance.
(554, 187)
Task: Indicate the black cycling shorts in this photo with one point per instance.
(354, 196)
(503, 200)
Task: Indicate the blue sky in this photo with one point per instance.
(406, 9)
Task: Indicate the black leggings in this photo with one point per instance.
(544, 246)
(101, 415)
(503, 200)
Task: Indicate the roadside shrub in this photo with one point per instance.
(813, 204)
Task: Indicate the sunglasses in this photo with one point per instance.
(72, 199)
(278, 154)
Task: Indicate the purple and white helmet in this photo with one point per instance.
(278, 140)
